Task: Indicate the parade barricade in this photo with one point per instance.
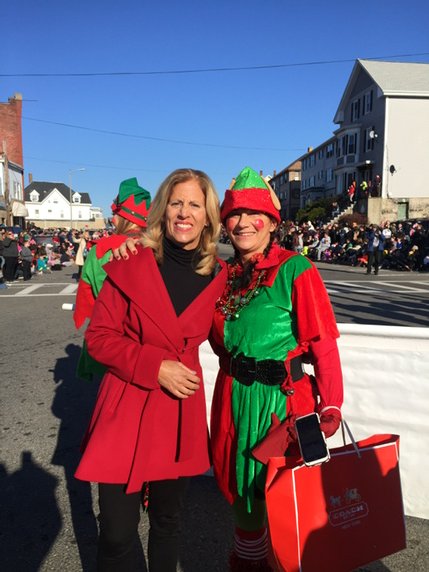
(385, 372)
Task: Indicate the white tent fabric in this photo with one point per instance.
(386, 378)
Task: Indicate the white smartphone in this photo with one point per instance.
(311, 439)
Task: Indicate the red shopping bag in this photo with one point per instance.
(339, 515)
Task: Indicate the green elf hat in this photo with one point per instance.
(250, 191)
(132, 202)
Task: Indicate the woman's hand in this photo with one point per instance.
(129, 246)
(180, 381)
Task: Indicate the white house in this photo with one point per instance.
(382, 140)
(383, 118)
(56, 205)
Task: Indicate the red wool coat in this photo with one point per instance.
(139, 432)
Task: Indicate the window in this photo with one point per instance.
(16, 190)
(352, 140)
(367, 102)
(34, 196)
(36, 212)
(320, 154)
(369, 141)
(329, 150)
(355, 110)
(312, 160)
(329, 175)
(49, 210)
(62, 214)
(338, 148)
(76, 198)
(79, 214)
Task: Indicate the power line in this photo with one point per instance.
(96, 166)
(158, 139)
(208, 70)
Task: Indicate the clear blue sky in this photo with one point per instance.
(264, 118)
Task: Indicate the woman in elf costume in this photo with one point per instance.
(130, 210)
(274, 314)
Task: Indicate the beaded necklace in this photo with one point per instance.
(232, 302)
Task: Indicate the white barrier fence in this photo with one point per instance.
(386, 383)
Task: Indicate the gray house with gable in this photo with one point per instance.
(382, 141)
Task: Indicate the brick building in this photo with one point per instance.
(12, 208)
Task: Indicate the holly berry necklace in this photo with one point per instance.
(234, 299)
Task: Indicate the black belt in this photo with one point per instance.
(267, 371)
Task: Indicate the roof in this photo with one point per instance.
(399, 78)
(45, 188)
(395, 79)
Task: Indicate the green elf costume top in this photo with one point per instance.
(130, 211)
(264, 328)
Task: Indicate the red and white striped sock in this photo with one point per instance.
(251, 545)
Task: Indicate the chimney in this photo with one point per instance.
(274, 173)
(30, 178)
(261, 173)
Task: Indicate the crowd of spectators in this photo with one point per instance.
(403, 245)
(24, 254)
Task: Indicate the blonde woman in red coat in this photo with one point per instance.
(149, 422)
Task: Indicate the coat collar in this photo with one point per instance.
(140, 280)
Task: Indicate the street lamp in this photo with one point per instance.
(70, 189)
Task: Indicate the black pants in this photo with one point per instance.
(119, 518)
(26, 269)
(374, 259)
(9, 268)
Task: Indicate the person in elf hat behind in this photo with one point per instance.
(274, 314)
(149, 421)
(130, 211)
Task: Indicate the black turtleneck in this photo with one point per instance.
(177, 270)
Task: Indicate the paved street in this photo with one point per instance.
(391, 298)
(48, 519)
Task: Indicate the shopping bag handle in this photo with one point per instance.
(344, 425)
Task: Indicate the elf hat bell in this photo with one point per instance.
(250, 191)
(132, 202)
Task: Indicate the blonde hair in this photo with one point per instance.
(207, 249)
(125, 226)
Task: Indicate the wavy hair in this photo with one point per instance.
(155, 233)
(125, 226)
